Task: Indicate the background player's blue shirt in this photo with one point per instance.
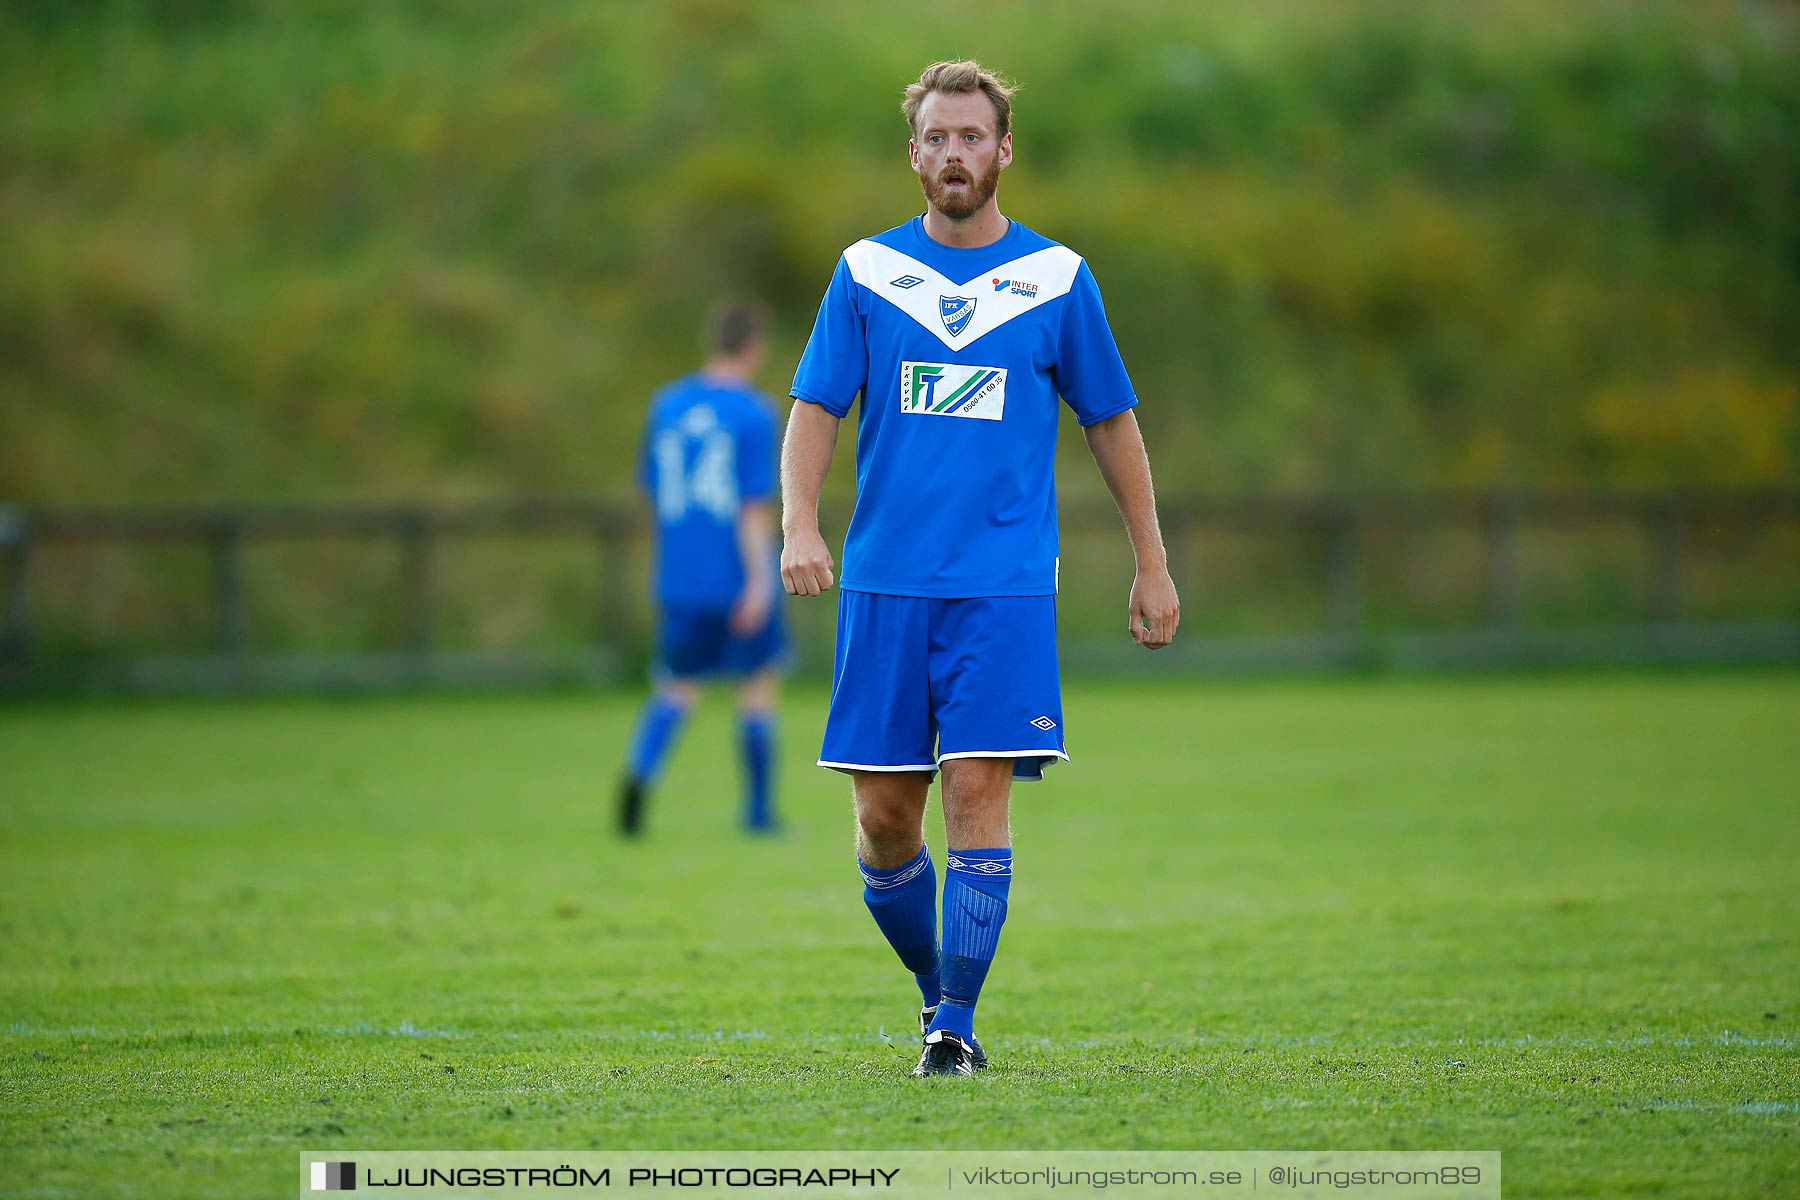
(959, 356)
(709, 448)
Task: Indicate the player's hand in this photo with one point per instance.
(1155, 608)
(806, 565)
(751, 610)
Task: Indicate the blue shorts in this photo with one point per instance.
(696, 643)
(918, 680)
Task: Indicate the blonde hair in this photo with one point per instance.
(960, 79)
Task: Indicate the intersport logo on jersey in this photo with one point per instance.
(952, 390)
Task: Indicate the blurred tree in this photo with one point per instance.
(278, 248)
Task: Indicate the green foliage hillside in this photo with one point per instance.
(369, 249)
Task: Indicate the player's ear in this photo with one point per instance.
(912, 152)
(1005, 155)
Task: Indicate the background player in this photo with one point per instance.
(708, 465)
(959, 329)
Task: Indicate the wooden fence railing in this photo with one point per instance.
(1342, 526)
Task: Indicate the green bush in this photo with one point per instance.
(281, 249)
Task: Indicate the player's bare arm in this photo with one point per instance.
(1118, 448)
(755, 538)
(807, 568)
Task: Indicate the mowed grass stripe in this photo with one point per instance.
(1551, 915)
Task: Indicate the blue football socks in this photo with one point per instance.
(975, 886)
(658, 726)
(756, 741)
(903, 902)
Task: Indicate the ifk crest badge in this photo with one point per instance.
(956, 311)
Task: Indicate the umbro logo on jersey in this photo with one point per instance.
(905, 281)
(956, 311)
(1018, 287)
(952, 390)
(1045, 723)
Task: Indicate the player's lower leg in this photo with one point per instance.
(903, 902)
(756, 745)
(658, 726)
(899, 879)
(977, 880)
(976, 883)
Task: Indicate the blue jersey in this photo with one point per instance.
(959, 356)
(709, 449)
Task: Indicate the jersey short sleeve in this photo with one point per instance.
(835, 366)
(756, 455)
(646, 462)
(1090, 375)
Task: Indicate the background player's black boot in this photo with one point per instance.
(631, 807)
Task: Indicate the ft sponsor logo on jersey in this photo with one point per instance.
(952, 390)
(1017, 287)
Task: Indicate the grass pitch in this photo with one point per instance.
(1555, 916)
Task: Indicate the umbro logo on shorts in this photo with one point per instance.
(1045, 723)
(952, 390)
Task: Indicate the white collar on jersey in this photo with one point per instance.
(1032, 281)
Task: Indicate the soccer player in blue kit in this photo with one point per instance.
(708, 464)
(959, 329)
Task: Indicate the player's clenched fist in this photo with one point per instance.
(1155, 609)
(806, 565)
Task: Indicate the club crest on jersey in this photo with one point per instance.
(956, 311)
(953, 390)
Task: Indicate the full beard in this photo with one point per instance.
(959, 204)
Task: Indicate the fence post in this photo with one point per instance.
(417, 580)
(15, 618)
(228, 584)
(1500, 575)
(1663, 526)
(613, 605)
(1343, 583)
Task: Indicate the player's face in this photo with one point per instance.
(956, 155)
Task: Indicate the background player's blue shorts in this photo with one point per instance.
(693, 644)
(918, 680)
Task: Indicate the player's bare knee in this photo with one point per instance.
(887, 823)
(680, 693)
(890, 811)
(759, 693)
(977, 799)
(977, 782)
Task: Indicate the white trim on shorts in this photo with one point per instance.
(1038, 778)
(1004, 754)
(838, 766)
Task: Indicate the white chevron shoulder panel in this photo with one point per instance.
(1036, 278)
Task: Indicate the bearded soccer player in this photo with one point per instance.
(959, 330)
